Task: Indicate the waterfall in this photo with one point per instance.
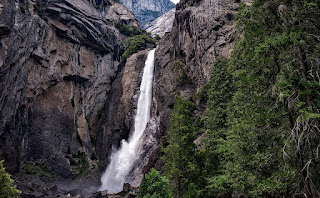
(122, 160)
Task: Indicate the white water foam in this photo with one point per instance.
(122, 160)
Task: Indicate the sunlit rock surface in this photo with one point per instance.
(162, 24)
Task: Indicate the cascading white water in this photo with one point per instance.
(122, 160)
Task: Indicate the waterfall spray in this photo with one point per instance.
(122, 160)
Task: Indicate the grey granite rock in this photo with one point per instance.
(148, 10)
(58, 60)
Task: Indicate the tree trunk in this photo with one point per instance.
(306, 183)
(304, 68)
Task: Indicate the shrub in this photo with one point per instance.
(181, 68)
(39, 168)
(136, 43)
(127, 30)
(157, 37)
(79, 162)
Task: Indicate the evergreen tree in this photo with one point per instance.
(7, 189)
(262, 130)
(154, 186)
(179, 155)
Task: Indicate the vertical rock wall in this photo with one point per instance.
(58, 60)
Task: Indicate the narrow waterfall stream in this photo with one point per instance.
(122, 160)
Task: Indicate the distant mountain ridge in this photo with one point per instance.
(148, 10)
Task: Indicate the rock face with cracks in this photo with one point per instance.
(162, 24)
(148, 10)
(58, 60)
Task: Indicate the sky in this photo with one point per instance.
(175, 1)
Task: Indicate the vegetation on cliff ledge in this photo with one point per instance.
(137, 43)
(261, 130)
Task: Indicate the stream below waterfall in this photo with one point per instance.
(122, 160)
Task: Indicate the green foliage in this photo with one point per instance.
(7, 189)
(128, 30)
(157, 37)
(180, 153)
(154, 186)
(137, 43)
(182, 70)
(262, 115)
(37, 169)
(79, 162)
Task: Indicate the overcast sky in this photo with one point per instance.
(175, 1)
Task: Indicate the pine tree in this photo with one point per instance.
(154, 186)
(7, 189)
(179, 155)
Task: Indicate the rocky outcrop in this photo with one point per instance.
(162, 24)
(148, 10)
(58, 60)
(202, 31)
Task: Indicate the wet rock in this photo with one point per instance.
(100, 194)
(127, 187)
(33, 195)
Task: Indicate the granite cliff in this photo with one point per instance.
(148, 10)
(58, 60)
(162, 24)
(202, 31)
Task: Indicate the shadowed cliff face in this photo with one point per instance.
(57, 62)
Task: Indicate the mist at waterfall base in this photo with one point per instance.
(122, 160)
